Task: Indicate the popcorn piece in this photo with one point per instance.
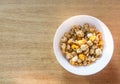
(71, 62)
(89, 35)
(79, 50)
(100, 43)
(74, 53)
(67, 35)
(70, 41)
(74, 47)
(74, 59)
(80, 33)
(84, 47)
(79, 60)
(87, 51)
(82, 57)
(92, 51)
(69, 56)
(80, 42)
(89, 43)
(98, 52)
(68, 47)
(92, 38)
(85, 63)
(92, 29)
(93, 59)
(63, 39)
(63, 46)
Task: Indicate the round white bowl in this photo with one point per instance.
(107, 39)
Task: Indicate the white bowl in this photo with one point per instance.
(107, 39)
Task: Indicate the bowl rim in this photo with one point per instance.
(100, 22)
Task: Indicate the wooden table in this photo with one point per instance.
(27, 28)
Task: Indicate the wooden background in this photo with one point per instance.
(27, 28)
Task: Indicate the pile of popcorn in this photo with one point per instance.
(82, 45)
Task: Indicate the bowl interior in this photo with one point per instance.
(107, 39)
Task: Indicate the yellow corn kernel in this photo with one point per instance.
(74, 47)
(82, 57)
(92, 38)
(72, 63)
(100, 42)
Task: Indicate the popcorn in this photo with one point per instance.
(98, 52)
(74, 47)
(82, 57)
(82, 45)
(92, 38)
(74, 59)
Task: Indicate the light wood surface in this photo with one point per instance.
(27, 28)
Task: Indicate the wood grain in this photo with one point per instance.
(27, 28)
